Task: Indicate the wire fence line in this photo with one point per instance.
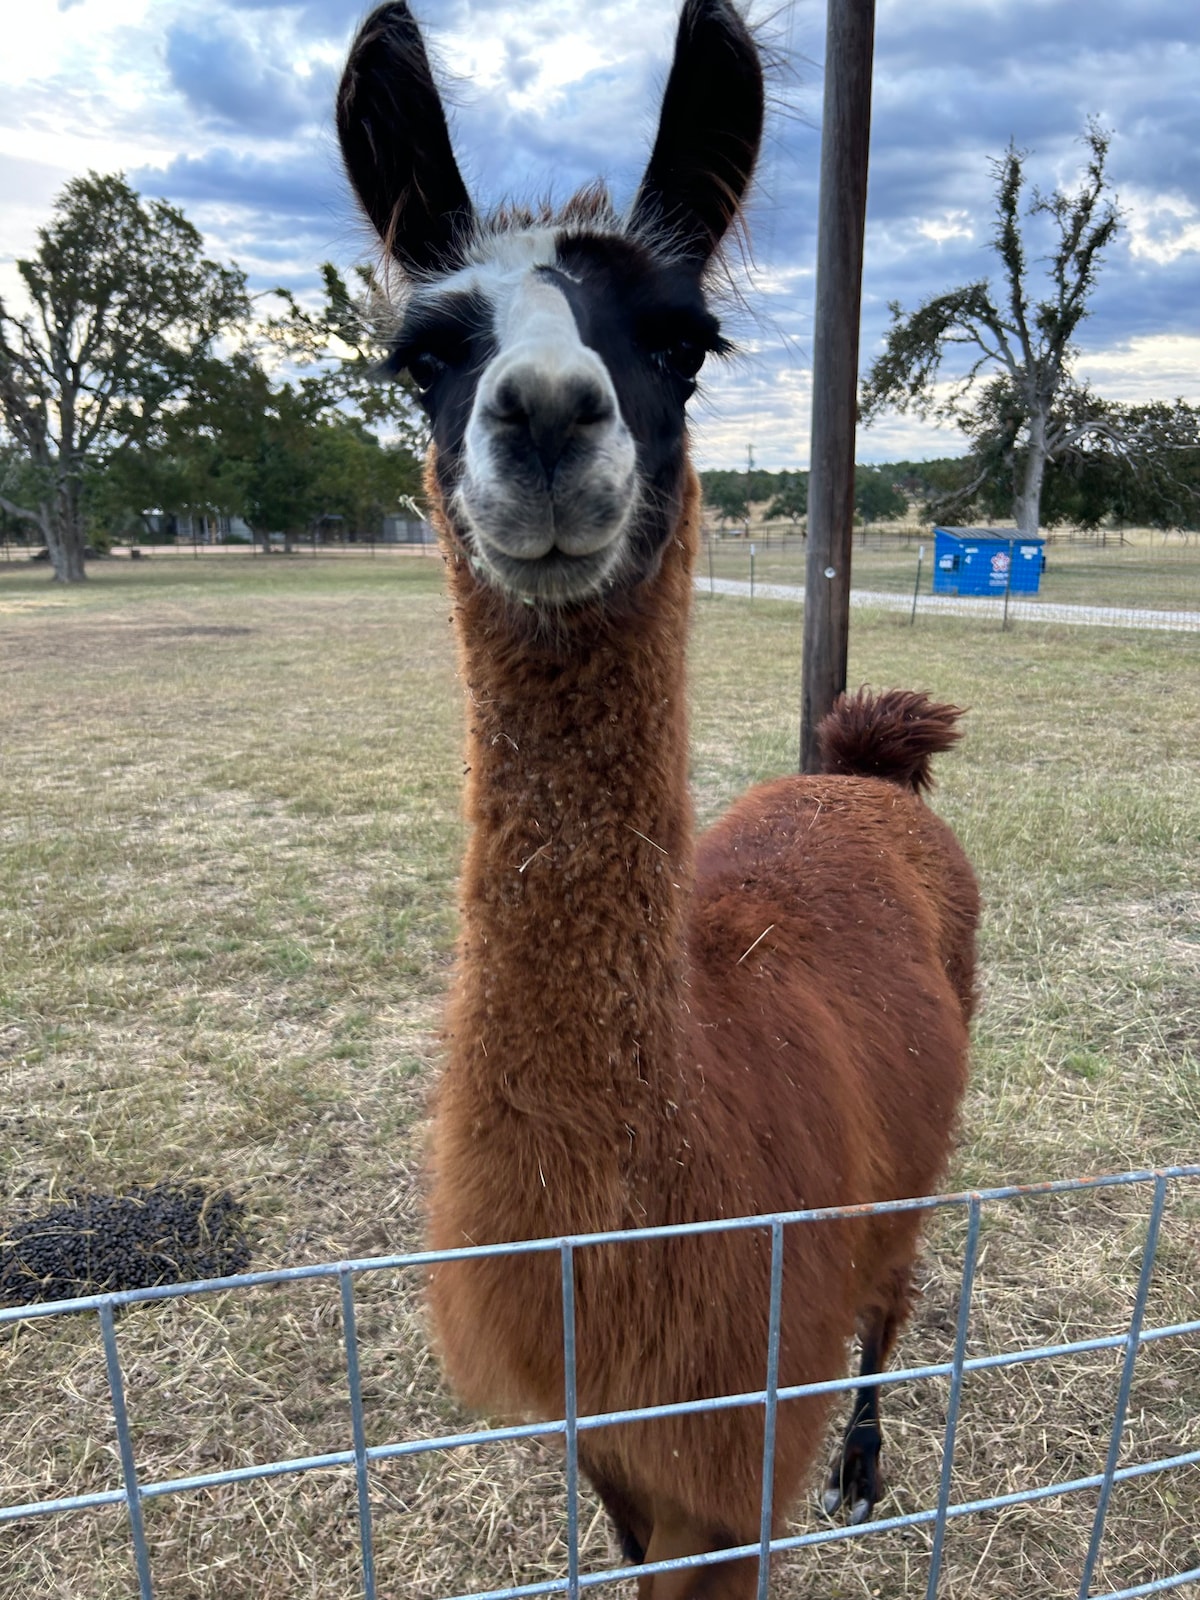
(1145, 584)
(1148, 582)
(359, 1456)
(999, 609)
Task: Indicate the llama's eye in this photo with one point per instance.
(683, 358)
(425, 369)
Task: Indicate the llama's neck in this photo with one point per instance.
(571, 987)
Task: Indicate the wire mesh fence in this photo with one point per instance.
(1112, 1468)
(1145, 580)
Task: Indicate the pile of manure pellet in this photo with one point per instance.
(103, 1243)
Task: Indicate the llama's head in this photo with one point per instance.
(555, 356)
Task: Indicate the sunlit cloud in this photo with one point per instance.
(950, 225)
(1158, 367)
(1162, 227)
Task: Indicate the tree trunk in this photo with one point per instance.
(66, 554)
(63, 525)
(1027, 496)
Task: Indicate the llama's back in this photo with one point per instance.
(894, 736)
(830, 984)
(850, 908)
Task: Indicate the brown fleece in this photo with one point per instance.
(645, 1030)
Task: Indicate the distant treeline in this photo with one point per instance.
(1157, 488)
(783, 496)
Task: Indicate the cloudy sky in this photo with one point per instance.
(223, 106)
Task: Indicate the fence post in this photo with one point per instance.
(970, 1259)
(1007, 587)
(917, 585)
(570, 1415)
(774, 1318)
(354, 1384)
(1132, 1344)
(133, 1495)
(845, 137)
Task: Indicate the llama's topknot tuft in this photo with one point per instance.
(893, 735)
(589, 209)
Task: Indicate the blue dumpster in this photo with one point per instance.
(977, 561)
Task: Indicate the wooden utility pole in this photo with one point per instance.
(845, 138)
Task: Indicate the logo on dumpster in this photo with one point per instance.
(1000, 562)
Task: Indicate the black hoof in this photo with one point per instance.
(855, 1480)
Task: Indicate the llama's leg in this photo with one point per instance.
(855, 1481)
(633, 1522)
(675, 1536)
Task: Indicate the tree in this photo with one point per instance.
(1140, 466)
(791, 502)
(876, 498)
(344, 344)
(1162, 465)
(725, 493)
(122, 305)
(193, 459)
(274, 454)
(1021, 417)
(19, 484)
(1119, 465)
(358, 479)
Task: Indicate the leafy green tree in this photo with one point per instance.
(273, 454)
(359, 479)
(1124, 465)
(1141, 467)
(195, 459)
(342, 344)
(725, 493)
(876, 498)
(20, 484)
(936, 479)
(123, 304)
(791, 499)
(1020, 416)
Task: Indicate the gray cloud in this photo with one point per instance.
(219, 74)
(262, 205)
(520, 65)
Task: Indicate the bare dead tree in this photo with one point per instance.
(1021, 347)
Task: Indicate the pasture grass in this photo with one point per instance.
(229, 808)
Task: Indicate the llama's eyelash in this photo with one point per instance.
(659, 334)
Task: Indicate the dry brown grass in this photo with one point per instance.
(230, 823)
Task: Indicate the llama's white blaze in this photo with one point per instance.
(549, 466)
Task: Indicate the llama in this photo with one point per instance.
(645, 1028)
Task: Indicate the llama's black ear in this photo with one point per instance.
(396, 145)
(708, 133)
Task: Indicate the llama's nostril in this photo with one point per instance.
(507, 403)
(594, 408)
